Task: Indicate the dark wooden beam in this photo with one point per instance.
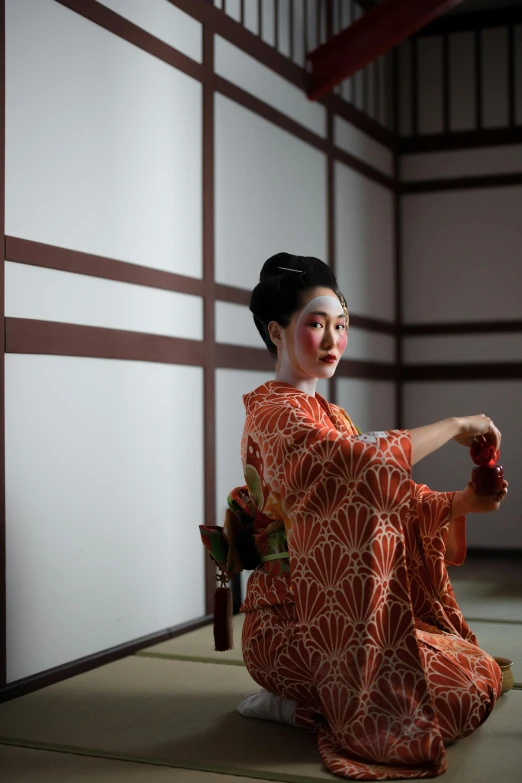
(462, 327)
(485, 371)
(368, 38)
(462, 183)
(463, 23)
(459, 140)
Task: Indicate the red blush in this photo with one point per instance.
(343, 340)
(309, 339)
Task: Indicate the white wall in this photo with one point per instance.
(164, 21)
(349, 138)
(450, 468)
(429, 75)
(461, 262)
(462, 80)
(461, 255)
(233, 64)
(100, 497)
(463, 348)
(370, 346)
(268, 15)
(105, 457)
(480, 161)
(104, 466)
(495, 106)
(270, 195)
(370, 404)
(52, 295)
(364, 231)
(95, 151)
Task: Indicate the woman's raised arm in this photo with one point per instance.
(463, 429)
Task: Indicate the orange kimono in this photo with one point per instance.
(360, 624)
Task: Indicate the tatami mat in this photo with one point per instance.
(172, 712)
(26, 765)
(183, 714)
(489, 600)
(501, 639)
(200, 645)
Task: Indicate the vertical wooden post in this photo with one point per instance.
(291, 27)
(511, 76)
(397, 227)
(446, 82)
(209, 393)
(478, 80)
(3, 607)
(414, 82)
(330, 216)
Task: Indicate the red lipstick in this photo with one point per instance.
(330, 358)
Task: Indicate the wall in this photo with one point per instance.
(464, 79)
(295, 28)
(461, 238)
(144, 188)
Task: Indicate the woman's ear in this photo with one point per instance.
(275, 333)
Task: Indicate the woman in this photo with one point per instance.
(352, 628)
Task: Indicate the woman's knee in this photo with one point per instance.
(461, 711)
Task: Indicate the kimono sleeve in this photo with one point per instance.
(320, 470)
(433, 512)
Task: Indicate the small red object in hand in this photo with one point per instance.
(484, 453)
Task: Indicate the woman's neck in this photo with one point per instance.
(290, 376)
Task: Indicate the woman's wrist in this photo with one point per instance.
(459, 424)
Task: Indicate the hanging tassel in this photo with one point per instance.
(223, 629)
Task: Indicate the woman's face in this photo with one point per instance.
(316, 337)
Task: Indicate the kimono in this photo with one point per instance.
(351, 612)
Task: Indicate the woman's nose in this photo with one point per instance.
(328, 338)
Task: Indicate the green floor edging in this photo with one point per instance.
(229, 662)
(77, 750)
(492, 620)
(191, 658)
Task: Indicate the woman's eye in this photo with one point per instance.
(316, 323)
(341, 326)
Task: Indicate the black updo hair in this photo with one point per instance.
(278, 295)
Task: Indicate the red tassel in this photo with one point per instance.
(223, 631)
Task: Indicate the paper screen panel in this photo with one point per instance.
(104, 471)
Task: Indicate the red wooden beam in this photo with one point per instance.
(368, 38)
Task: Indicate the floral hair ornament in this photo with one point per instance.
(344, 306)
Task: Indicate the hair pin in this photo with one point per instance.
(286, 269)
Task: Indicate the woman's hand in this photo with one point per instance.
(472, 427)
(468, 502)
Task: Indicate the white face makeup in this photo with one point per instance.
(313, 345)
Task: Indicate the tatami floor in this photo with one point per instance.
(168, 712)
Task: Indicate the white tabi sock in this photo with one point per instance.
(267, 706)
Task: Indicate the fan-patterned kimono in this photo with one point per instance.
(360, 626)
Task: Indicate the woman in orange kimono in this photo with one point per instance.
(352, 628)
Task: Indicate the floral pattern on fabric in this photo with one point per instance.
(364, 632)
